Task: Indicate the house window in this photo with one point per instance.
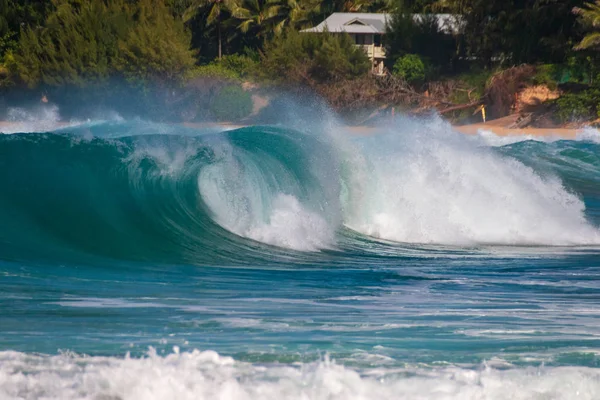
(377, 40)
(360, 39)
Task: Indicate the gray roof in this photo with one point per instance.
(352, 23)
(375, 23)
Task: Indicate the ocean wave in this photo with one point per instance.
(426, 184)
(144, 191)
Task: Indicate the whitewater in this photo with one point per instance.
(141, 260)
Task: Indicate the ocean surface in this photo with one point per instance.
(297, 261)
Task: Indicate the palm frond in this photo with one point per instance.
(246, 25)
(192, 10)
(215, 12)
(590, 14)
(592, 40)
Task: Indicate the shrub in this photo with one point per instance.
(411, 68)
(232, 103)
(213, 71)
(548, 75)
(243, 66)
(230, 67)
(579, 106)
(156, 46)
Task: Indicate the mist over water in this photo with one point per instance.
(295, 260)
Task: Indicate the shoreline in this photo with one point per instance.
(567, 133)
(472, 129)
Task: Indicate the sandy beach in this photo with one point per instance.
(502, 131)
(567, 133)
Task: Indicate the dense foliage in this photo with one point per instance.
(61, 47)
(410, 67)
(298, 57)
(92, 41)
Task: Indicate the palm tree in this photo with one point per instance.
(256, 14)
(215, 10)
(359, 5)
(590, 16)
(296, 13)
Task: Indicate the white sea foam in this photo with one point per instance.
(490, 138)
(207, 375)
(290, 225)
(428, 184)
(244, 203)
(47, 118)
(40, 119)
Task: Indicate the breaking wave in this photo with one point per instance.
(207, 375)
(144, 191)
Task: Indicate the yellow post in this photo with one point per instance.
(481, 109)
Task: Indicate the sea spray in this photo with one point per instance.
(429, 184)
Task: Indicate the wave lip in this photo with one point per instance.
(207, 375)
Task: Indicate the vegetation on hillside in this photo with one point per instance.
(189, 51)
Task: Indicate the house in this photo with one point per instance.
(368, 31)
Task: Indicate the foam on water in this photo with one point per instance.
(489, 138)
(207, 375)
(428, 184)
(41, 119)
(257, 202)
(290, 225)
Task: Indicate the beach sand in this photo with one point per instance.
(473, 129)
(567, 133)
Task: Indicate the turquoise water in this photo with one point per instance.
(147, 261)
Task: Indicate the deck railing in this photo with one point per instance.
(373, 51)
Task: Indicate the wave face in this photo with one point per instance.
(132, 190)
(160, 196)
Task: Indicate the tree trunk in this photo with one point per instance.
(219, 34)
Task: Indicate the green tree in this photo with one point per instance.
(89, 42)
(590, 19)
(18, 14)
(296, 14)
(179, 7)
(215, 10)
(156, 45)
(330, 6)
(313, 58)
(268, 18)
(421, 35)
(514, 32)
(257, 16)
